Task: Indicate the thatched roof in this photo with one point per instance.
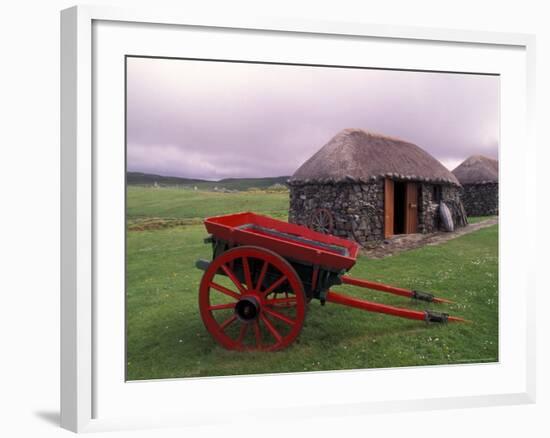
(357, 155)
(477, 169)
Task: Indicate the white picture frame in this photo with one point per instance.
(86, 375)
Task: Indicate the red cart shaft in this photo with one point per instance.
(358, 303)
(389, 289)
(345, 300)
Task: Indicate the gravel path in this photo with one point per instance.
(406, 242)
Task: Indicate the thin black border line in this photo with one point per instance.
(234, 61)
(297, 64)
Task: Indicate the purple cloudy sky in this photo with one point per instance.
(216, 120)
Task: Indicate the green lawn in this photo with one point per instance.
(476, 219)
(189, 204)
(166, 337)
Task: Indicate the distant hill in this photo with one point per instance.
(146, 179)
(139, 178)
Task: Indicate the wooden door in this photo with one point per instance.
(388, 208)
(411, 210)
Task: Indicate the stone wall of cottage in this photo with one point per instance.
(428, 221)
(358, 208)
(480, 199)
(428, 214)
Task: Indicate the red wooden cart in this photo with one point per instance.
(254, 293)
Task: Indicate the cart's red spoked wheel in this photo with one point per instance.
(321, 221)
(250, 298)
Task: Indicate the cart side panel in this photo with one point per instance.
(230, 228)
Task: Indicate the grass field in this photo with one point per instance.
(168, 203)
(166, 337)
(476, 219)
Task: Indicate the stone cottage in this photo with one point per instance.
(478, 176)
(369, 187)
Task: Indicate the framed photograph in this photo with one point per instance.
(323, 215)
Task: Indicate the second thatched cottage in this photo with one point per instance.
(368, 187)
(479, 178)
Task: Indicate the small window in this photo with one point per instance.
(437, 194)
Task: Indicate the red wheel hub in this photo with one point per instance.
(240, 304)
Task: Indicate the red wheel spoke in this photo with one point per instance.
(222, 306)
(247, 276)
(275, 285)
(224, 290)
(242, 333)
(272, 329)
(258, 335)
(227, 322)
(234, 279)
(262, 276)
(274, 301)
(279, 316)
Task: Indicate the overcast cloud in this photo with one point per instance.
(214, 120)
